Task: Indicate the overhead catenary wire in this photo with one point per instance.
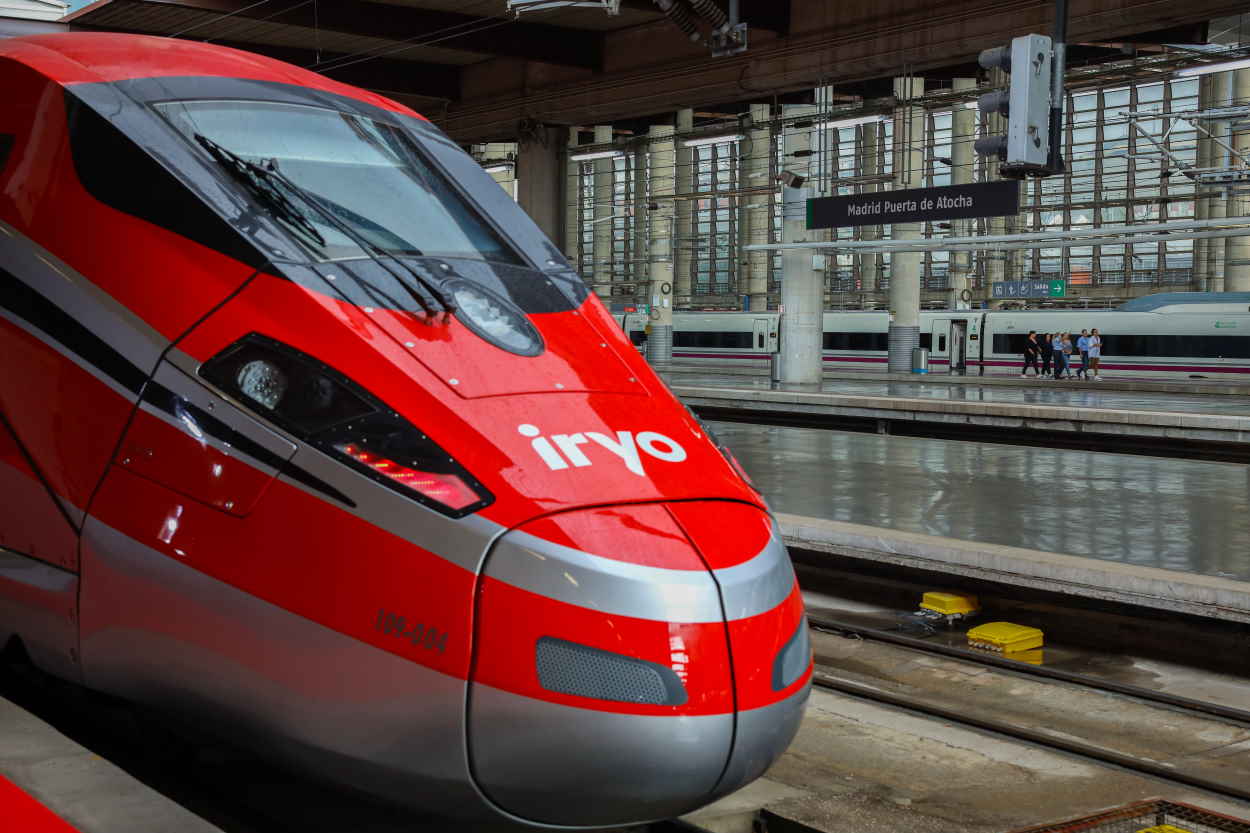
(423, 39)
(220, 17)
(415, 42)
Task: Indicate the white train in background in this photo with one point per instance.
(1171, 334)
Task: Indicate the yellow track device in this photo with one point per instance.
(949, 607)
(1163, 828)
(949, 604)
(1004, 637)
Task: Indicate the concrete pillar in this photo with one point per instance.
(1237, 254)
(539, 181)
(963, 126)
(802, 287)
(756, 222)
(684, 184)
(802, 296)
(909, 145)
(660, 250)
(604, 209)
(869, 165)
(1202, 203)
(572, 205)
(1217, 206)
(995, 261)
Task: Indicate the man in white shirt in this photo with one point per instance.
(1095, 353)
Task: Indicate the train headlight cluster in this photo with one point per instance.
(332, 413)
(495, 319)
(262, 382)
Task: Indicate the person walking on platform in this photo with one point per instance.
(1061, 359)
(1069, 349)
(1082, 344)
(1030, 355)
(1095, 353)
(1047, 350)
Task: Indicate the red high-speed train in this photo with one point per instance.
(309, 434)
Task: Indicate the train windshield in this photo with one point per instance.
(370, 176)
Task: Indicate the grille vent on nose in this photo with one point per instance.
(570, 668)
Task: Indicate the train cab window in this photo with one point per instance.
(638, 337)
(6, 147)
(942, 343)
(371, 176)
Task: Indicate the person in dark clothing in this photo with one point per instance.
(1030, 355)
(1047, 350)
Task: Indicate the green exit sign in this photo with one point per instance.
(1058, 288)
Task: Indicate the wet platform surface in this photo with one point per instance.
(1185, 515)
(1061, 393)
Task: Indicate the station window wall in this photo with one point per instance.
(1115, 175)
(608, 225)
(711, 239)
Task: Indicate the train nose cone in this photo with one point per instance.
(767, 628)
(602, 691)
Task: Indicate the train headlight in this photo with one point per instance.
(495, 319)
(332, 413)
(262, 382)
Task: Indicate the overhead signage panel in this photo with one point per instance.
(916, 205)
(1037, 288)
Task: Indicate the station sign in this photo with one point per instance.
(916, 205)
(1042, 288)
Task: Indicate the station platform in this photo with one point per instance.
(52, 784)
(1138, 383)
(1167, 534)
(1027, 404)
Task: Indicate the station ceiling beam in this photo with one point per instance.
(383, 74)
(829, 43)
(769, 15)
(488, 36)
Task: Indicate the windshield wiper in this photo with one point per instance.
(264, 181)
(256, 178)
(428, 293)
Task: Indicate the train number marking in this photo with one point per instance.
(420, 635)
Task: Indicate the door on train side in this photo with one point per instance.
(760, 336)
(939, 350)
(958, 347)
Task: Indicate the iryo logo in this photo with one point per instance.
(625, 445)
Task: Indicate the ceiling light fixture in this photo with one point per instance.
(851, 122)
(712, 140)
(590, 155)
(1206, 69)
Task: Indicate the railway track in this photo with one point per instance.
(829, 677)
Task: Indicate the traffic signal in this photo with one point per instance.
(1025, 148)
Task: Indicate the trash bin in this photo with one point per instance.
(775, 367)
(919, 360)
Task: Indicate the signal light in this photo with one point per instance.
(1024, 149)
